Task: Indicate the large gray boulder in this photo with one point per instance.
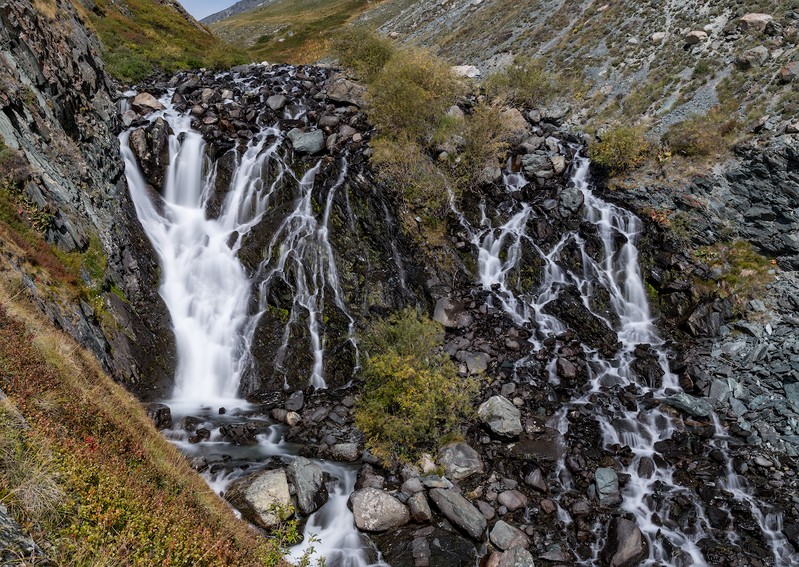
(452, 314)
(260, 495)
(460, 461)
(626, 546)
(144, 103)
(460, 512)
(309, 484)
(341, 89)
(307, 142)
(501, 417)
(516, 557)
(377, 511)
(505, 536)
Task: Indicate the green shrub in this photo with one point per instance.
(485, 140)
(620, 149)
(411, 94)
(742, 273)
(411, 173)
(524, 82)
(362, 51)
(703, 135)
(412, 395)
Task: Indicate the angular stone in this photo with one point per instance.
(536, 480)
(505, 536)
(377, 511)
(695, 37)
(452, 314)
(257, 495)
(340, 89)
(477, 363)
(754, 22)
(607, 486)
(460, 461)
(420, 509)
(276, 102)
(512, 500)
(501, 417)
(625, 546)
(144, 103)
(345, 452)
(468, 71)
(307, 142)
(309, 485)
(460, 512)
(696, 407)
(516, 557)
(160, 414)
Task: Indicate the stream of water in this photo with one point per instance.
(209, 295)
(215, 307)
(651, 488)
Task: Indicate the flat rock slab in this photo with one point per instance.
(460, 512)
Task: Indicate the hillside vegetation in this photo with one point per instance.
(140, 36)
(289, 31)
(87, 474)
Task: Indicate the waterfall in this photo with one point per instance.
(215, 304)
(616, 269)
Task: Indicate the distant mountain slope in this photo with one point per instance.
(660, 61)
(237, 8)
(141, 35)
(289, 31)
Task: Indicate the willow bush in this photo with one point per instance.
(412, 393)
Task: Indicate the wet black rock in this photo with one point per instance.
(626, 546)
(429, 546)
(160, 414)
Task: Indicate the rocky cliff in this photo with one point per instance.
(58, 116)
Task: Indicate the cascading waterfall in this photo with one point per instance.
(209, 295)
(651, 486)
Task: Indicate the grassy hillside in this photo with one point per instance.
(289, 31)
(140, 36)
(81, 466)
(91, 479)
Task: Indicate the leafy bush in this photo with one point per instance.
(524, 82)
(742, 273)
(406, 167)
(620, 149)
(703, 135)
(411, 94)
(412, 395)
(485, 140)
(362, 51)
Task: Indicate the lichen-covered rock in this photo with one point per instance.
(261, 497)
(377, 511)
(500, 416)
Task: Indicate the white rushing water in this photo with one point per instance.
(617, 270)
(209, 296)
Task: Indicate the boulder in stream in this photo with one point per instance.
(261, 496)
(626, 546)
(309, 484)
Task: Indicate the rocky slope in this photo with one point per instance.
(237, 8)
(59, 118)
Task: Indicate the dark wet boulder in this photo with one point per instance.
(308, 481)
(239, 433)
(160, 414)
(626, 546)
(430, 546)
(569, 308)
(150, 145)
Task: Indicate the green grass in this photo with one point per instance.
(147, 36)
(289, 31)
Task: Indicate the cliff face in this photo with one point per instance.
(58, 117)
